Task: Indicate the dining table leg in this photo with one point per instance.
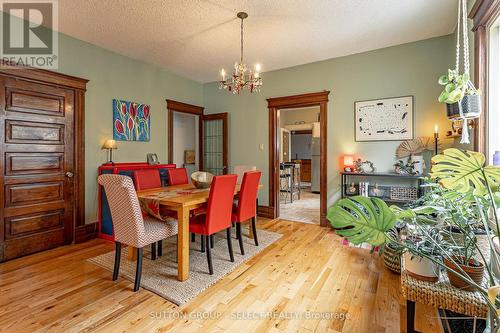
(183, 244)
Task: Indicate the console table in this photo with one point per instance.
(392, 193)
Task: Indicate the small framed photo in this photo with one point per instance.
(152, 158)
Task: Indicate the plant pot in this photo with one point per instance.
(470, 106)
(392, 259)
(420, 268)
(454, 235)
(475, 271)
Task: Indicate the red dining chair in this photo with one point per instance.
(177, 176)
(218, 215)
(144, 180)
(246, 208)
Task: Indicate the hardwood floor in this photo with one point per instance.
(307, 270)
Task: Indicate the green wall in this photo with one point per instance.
(409, 69)
(115, 76)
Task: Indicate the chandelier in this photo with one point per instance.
(242, 77)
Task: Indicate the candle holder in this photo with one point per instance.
(436, 140)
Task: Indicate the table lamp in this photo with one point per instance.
(110, 145)
(348, 163)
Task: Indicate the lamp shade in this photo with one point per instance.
(109, 144)
(348, 160)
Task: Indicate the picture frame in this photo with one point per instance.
(385, 119)
(152, 159)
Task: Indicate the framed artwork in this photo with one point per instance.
(189, 157)
(387, 119)
(130, 121)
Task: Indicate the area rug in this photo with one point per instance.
(160, 275)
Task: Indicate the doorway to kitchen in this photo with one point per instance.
(297, 154)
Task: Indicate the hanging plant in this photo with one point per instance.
(460, 95)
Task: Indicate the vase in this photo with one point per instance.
(474, 270)
(420, 268)
(392, 259)
(419, 166)
(470, 106)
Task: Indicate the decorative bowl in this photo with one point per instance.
(201, 179)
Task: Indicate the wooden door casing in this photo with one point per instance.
(37, 164)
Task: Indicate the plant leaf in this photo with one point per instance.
(443, 80)
(362, 220)
(464, 171)
(455, 96)
(443, 97)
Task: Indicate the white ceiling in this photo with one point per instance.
(195, 38)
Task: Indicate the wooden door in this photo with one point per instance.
(36, 164)
(213, 132)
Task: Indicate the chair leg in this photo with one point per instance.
(209, 257)
(240, 239)
(138, 271)
(153, 251)
(160, 248)
(202, 243)
(254, 230)
(212, 241)
(118, 253)
(229, 244)
(193, 237)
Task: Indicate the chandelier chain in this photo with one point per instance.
(241, 54)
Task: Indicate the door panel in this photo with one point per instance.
(214, 145)
(36, 163)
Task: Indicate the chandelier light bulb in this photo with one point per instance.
(223, 74)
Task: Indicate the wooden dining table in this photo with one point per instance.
(182, 199)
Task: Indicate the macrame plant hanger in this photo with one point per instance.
(462, 22)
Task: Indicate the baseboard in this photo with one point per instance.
(85, 232)
(265, 211)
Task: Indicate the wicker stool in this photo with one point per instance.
(440, 295)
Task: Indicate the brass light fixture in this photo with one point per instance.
(242, 77)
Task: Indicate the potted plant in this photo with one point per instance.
(461, 97)
(369, 220)
(416, 264)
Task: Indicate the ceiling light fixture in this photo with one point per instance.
(242, 77)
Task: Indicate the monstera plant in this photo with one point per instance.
(370, 220)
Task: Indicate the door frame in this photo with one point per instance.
(288, 102)
(217, 116)
(81, 231)
(176, 106)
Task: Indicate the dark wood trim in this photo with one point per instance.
(296, 101)
(483, 14)
(265, 211)
(80, 157)
(46, 76)
(302, 132)
(175, 106)
(184, 107)
(85, 232)
(288, 102)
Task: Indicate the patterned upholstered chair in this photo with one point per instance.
(129, 226)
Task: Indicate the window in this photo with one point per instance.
(493, 120)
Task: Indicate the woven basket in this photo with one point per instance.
(392, 259)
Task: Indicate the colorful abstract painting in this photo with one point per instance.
(130, 121)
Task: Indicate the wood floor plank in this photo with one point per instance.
(307, 281)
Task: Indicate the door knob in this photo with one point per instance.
(69, 174)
